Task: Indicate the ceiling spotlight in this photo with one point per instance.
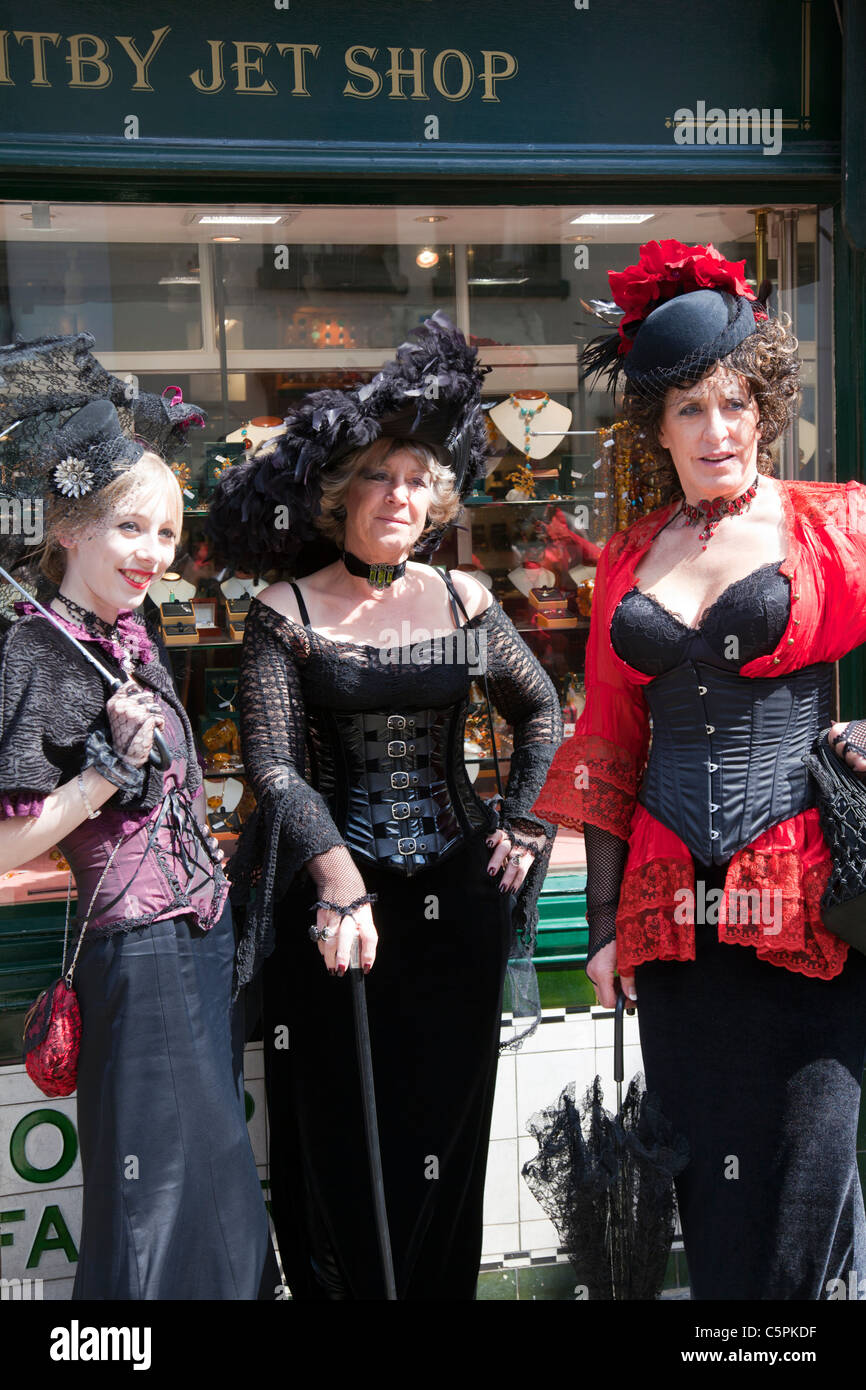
(431, 219)
(427, 258)
(610, 219)
(225, 238)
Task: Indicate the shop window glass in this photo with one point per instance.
(312, 297)
(133, 297)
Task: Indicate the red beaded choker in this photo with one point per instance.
(712, 512)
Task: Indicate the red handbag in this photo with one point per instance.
(52, 1028)
(52, 1038)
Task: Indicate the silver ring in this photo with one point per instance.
(515, 857)
(318, 934)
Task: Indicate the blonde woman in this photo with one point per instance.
(172, 1203)
(354, 689)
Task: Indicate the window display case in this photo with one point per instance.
(246, 322)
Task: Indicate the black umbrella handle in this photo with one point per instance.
(618, 1044)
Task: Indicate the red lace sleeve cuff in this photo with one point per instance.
(590, 780)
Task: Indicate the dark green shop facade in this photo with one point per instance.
(254, 202)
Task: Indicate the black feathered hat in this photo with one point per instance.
(429, 394)
(684, 308)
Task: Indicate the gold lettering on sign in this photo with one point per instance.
(38, 42)
(217, 78)
(467, 82)
(143, 61)
(299, 52)
(491, 74)
(78, 60)
(359, 70)
(246, 65)
(416, 72)
(5, 79)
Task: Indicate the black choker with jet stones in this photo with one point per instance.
(377, 576)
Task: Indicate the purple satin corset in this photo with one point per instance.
(163, 867)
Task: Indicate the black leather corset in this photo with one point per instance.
(395, 782)
(725, 759)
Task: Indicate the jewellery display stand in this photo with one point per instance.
(524, 411)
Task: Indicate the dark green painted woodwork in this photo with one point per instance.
(854, 124)
(518, 88)
(31, 946)
(850, 373)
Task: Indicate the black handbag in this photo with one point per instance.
(841, 801)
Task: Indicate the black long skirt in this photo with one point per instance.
(761, 1069)
(434, 999)
(173, 1206)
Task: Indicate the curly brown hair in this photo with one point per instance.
(767, 360)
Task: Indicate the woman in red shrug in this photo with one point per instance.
(715, 626)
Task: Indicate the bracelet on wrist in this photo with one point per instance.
(91, 814)
(347, 909)
(110, 765)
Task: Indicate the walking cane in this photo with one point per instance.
(368, 1097)
(159, 754)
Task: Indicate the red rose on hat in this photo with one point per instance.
(666, 269)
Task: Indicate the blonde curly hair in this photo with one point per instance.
(335, 483)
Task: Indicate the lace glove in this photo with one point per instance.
(850, 743)
(605, 864)
(133, 714)
(342, 912)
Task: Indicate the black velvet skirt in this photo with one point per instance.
(173, 1207)
(761, 1069)
(434, 999)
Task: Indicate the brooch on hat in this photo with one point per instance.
(73, 477)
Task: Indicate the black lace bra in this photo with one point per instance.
(753, 610)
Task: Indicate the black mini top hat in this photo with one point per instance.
(684, 308)
(45, 381)
(90, 450)
(429, 394)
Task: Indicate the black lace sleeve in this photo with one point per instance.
(291, 825)
(524, 695)
(605, 863)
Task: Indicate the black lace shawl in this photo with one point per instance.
(51, 699)
(282, 664)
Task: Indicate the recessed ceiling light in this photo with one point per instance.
(179, 280)
(610, 219)
(427, 258)
(498, 280)
(431, 219)
(579, 238)
(225, 238)
(238, 219)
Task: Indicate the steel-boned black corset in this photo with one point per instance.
(725, 760)
(396, 782)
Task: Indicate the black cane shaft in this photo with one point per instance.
(368, 1096)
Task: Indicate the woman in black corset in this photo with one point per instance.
(716, 621)
(354, 686)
